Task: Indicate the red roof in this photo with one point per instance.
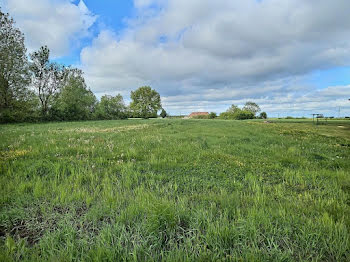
(198, 114)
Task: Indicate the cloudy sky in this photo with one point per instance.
(292, 57)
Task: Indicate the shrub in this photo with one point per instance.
(226, 115)
(243, 114)
(238, 114)
(212, 115)
(201, 117)
(263, 115)
(163, 114)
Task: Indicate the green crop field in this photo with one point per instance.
(175, 190)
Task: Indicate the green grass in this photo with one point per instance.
(175, 190)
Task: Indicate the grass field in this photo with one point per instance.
(175, 190)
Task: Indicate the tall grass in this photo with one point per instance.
(175, 190)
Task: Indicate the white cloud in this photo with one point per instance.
(60, 24)
(204, 54)
(143, 3)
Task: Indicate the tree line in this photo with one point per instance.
(249, 111)
(36, 89)
(33, 88)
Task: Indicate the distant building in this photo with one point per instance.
(193, 114)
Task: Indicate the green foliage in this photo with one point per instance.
(201, 117)
(238, 114)
(47, 78)
(175, 190)
(243, 115)
(263, 115)
(111, 108)
(14, 74)
(251, 107)
(74, 101)
(235, 113)
(232, 109)
(24, 110)
(163, 114)
(212, 115)
(145, 102)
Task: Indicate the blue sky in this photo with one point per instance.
(290, 56)
(337, 76)
(111, 14)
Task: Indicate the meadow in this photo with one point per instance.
(175, 190)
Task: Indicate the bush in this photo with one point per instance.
(263, 115)
(226, 115)
(24, 110)
(163, 114)
(238, 114)
(212, 115)
(243, 114)
(201, 117)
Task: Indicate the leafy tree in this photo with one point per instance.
(232, 109)
(111, 107)
(226, 115)
(163, 114)
(14, 73)
(75, 101)
(263, 115)
(212, 115)
(251, 107)
(145, 102)
(25, 109)
(237, 114)
(47, 77)
(244, 114)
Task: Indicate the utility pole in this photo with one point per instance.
(339, 112)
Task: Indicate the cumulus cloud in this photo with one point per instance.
(60, 24)
(204, 54)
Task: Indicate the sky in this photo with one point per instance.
(292, 57)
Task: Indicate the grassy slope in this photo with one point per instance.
(175, 190)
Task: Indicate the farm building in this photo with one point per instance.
(193, 114)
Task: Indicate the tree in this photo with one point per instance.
(243, 114)
(251, 107)
(212, 115)
(233, 108)
(145, 102)
(14, 74)
(111, 108)
(263, 115)
(47, 77)
(235, 113)
(75, 101)
(239, 114)
(163, 114)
